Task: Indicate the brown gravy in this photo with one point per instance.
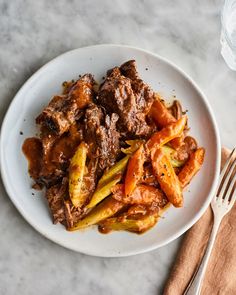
(32, 149)
(45, 158)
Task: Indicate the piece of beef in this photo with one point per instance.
(56, 153)
(116, 95)
(64, 110)
(93, 118)
(124, 93)
(62, 209)
(143, 93)
(102, 137)
(129, 70)
(108, 142)
(40, 168)
(55, 196)
(64, 147)
(72, 214)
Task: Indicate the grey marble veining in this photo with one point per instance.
(32, 33)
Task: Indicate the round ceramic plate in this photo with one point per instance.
(163, 77)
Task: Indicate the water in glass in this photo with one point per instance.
(228, 33)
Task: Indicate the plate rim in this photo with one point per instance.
(129, 252)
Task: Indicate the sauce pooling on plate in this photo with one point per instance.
(33, 151)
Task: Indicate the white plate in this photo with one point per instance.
(164, 77)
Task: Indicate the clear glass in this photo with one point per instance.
(228, 33)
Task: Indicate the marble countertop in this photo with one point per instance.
(32, 33)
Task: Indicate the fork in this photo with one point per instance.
(221, 204)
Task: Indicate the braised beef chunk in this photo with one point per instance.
(49, 178)
(102, 136)
(129, 70)
(61, 207)
(108, 142)
(57, 152)
(53, 118)
(65, 146)
(116, 96)
(92, 121)
(40, 168)
(124, 93)
(55, 196)
(81, 92)
(72, 214)
(143, 93)
(63, 110)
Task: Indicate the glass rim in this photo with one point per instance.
(223, 20)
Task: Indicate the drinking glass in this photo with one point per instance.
(228, 33)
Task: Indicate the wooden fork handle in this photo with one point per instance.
(194, 286)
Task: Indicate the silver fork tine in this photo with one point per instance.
(231, 191)
(233, 198)
(223, 171)
(223, 189)
(226, 166)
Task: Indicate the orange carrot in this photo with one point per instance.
(191, 167)
(166, 134)
(134, 170)
(167, 178)
(160, 113)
